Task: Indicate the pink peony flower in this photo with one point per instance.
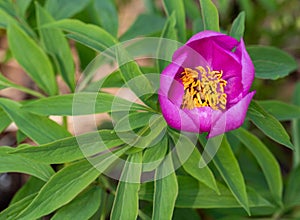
(206, 87)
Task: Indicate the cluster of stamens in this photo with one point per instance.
(203, 87)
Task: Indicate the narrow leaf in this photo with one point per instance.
(107, 15)
(65, 185)
(57, 46)
(238, 26)
(7, 83)
(134, 78)
(154, 155)
(269, 125)
(265, 159)
(194, 194)
(64, 9)
(38, 66)
(32, 186)
(280, 110)
(126, 203)
(291, 197)
(228, 167)
(165, 190)
(5, 120)
(88, 201)
(38, 128)
(166, 48)
(210, 15)
(86, 34)
(190, 157)
(22, 6)
(177, 7)
(15, 163)
(270, 62)
(155, 24)
(71, 148)
(296, 128)
(11, 212)
(81, 104)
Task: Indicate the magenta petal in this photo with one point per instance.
(226, 61)
(223, 40)
(233, 118)
(169, 73)
(175, 117)
(248, 71)
(233, 89)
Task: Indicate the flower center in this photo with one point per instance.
(203, 87)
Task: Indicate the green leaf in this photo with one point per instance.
(296, 128)
(291, 197)
(266, 161)
(20, 136)
(126, 203)
(71, 148)
(238, 26)
(13, 210)
(165, 190)
(154, 155)
(57, 46)
(190, 157)
(270, 62)
(64, 9)
(227, 165)
(198, 25)
(38, 128)
(81, 104)
(107, 14)
(38, 66)
(166, 48)
(5, 17)
(155, 24)
(22, 6)
(32, 186)
(5, 120)
(280, 110)
(86, 34)
(113, 80)
(269, 125)
(134, 78)
(134, 120)
(210, 15)
(191, 9)
(15, 163)
(7, 83)
(66, 184)
(148, 136)
(88, 202)
(194, 194)
(171, 6)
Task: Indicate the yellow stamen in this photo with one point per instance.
(203, 87)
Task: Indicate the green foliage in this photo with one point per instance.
(138, 167)
(269, 125)
(270, 62)
(56, 46)
(37, 63)
(178, 9)
(210, 15)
